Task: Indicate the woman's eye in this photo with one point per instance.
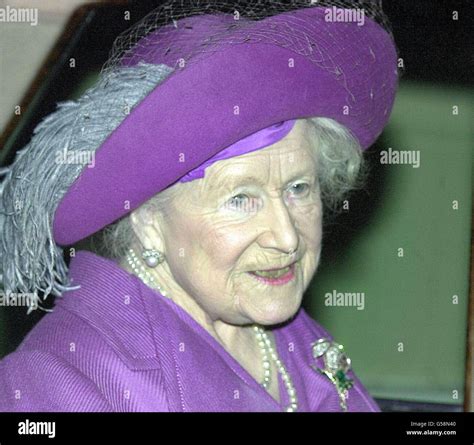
(300, 188)
(239, 199)
(243, 202)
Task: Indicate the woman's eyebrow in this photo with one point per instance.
(226, 183)
(309, 171)
(246, 180)
(238, 181)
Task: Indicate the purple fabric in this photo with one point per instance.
(117, 345)
(255, 141)
(191, 116)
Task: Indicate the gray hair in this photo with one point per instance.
(30, 260)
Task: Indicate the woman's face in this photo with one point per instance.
(243, 217)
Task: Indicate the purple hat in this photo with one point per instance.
(231, 79)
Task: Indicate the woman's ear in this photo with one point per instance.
(146, 224)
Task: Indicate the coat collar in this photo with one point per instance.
(113, 301)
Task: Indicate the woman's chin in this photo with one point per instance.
(271, 316)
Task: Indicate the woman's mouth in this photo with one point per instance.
(275, 277)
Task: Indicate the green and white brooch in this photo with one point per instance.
(336, 366)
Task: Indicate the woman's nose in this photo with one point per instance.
(279, 230)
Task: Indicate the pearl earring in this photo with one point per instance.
(152, 257)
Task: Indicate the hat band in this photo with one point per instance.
(260, 139)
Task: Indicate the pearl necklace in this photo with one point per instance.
(263, 340)
(267, 349)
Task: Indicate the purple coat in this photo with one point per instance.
(117, 345)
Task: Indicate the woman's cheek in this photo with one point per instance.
(224, 242)
(309, 223)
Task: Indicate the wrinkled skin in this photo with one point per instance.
(219, 228)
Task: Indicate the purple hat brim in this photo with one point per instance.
(191, 115)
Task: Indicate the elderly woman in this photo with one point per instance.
(196, 169)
